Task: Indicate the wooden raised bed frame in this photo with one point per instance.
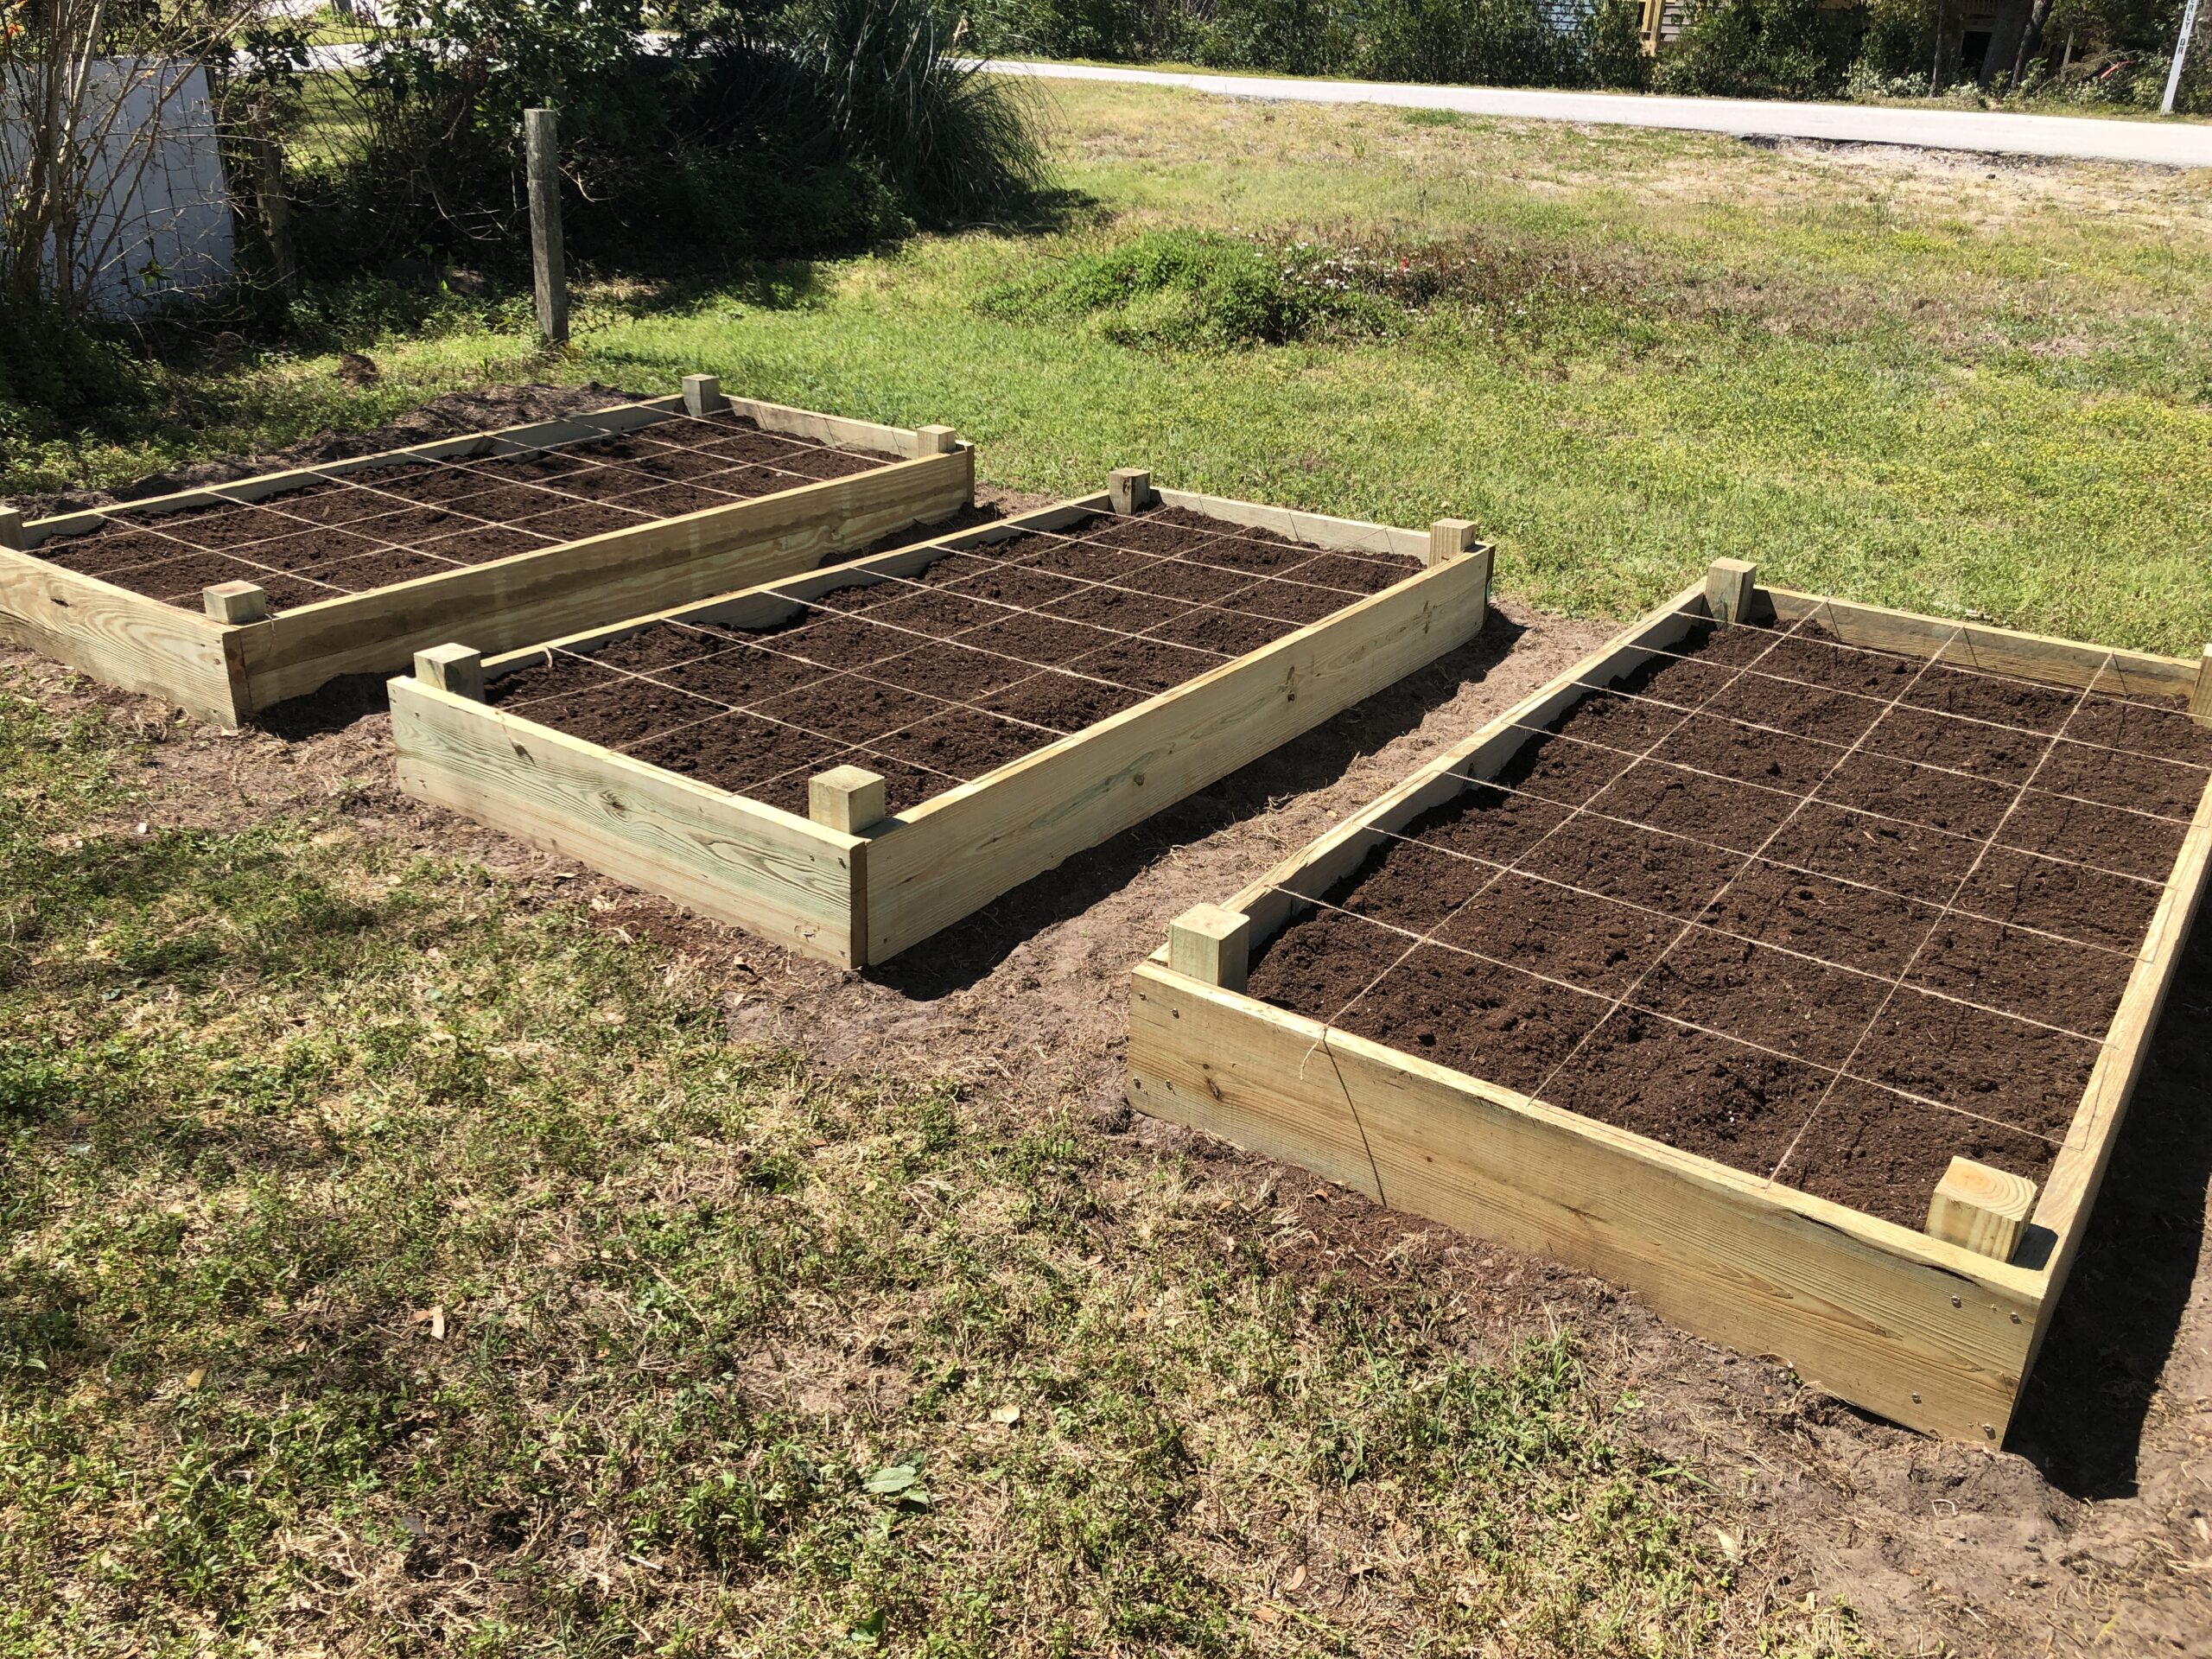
(855, 887)
(1933, 1334)
(227, 672)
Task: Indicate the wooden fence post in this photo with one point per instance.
(276, 211)
(542, 146)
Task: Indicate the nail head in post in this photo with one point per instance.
(846, 798)
(457, 669)
(1981, 1209)
(935, 441)
(1129, 489)
(235, 602)
(2200, 698)
(1212, 945)
(1448, 539)
(703, 395)
(11, 530)
(1729, 584)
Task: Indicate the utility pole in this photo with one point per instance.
(541, 149)
(2181, 56)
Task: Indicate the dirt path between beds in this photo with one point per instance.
(2094, 1528)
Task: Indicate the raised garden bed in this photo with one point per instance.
(851, 760)
(231, 599)
(1792, 968)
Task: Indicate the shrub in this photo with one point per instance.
(754, 131)
(1897, 48)
(1759, 49)
(1125, 30)
(1617, 55)
(1198, 289)
(954, 144)
(1493, 42)
(1294, 37)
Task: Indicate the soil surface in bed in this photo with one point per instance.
(1824, 914)
(371, 527)
(935, 679)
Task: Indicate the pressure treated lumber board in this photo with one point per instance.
(1920, 1330)
(912, 874)
(121, 638)
(784, 877)
(226, 673)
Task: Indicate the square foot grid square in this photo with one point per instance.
(379, 525)
(1779, 902)
(936, 677)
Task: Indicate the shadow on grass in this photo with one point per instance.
(796, 284)
(969, 950)
(2082, 1415)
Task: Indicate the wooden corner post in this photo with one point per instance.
(1729, 585)
(1981, 1209)
(935, 441)
(846, 798)
(1129, 489)
(2200, 697)
(11, 530)
(703, 395)
(452, 668)
(1212, 945)
(235, 602)
(1449, 539)
(541, 145)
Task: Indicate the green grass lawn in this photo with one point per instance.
(1974, 388)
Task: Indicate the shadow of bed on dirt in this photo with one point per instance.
(968, 951)
(2082, 1415)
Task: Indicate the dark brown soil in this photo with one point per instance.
(1883, 1155)
(1465, 1012)
(937, 677)
(1738, 1104)
(386, 524)
(1931, 929)
(2036, 975)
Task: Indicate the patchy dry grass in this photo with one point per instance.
(389, 1267)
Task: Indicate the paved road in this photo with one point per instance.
(2170, 144)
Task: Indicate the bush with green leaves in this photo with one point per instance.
(1491, 43)
(1294, 37)
(750, 130)
(1760, 49)
(1200, 290)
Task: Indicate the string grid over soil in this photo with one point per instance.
(379, 525)
(1825, 914)
(934, 679)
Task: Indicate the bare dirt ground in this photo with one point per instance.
(2090, 1531)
